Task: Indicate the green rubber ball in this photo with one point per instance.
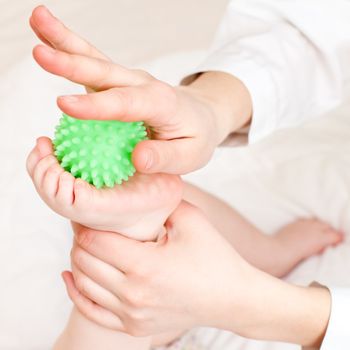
(98, 152)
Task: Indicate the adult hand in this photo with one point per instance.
(186, 123)
(191, 277)
(152, 287)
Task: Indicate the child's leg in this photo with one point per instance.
(82, 334)
(276, 254)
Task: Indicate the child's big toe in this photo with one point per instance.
(333, 237)
(44, 146)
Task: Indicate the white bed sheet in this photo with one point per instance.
(294, 173)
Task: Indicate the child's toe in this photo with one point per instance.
(41, 169)
(65, 191)
(42, 149)
(44, 145)
(82, 194)
(32, 160)
(51, 179)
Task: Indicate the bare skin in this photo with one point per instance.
(213, 106)
(276, 254)
(250, 302)
(139, 208)
(291, 245)
(125, 209)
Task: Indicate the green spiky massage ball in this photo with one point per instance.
(98, 152)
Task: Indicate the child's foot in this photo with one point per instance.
(299, 241)
(137, 209)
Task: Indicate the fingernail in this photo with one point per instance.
(69, 99)
(149, 159)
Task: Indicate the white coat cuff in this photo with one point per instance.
(338, 332)
(259, 83)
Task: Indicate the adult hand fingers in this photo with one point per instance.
(112, 248)
(168, 156)
(132, 103)
(89, 309)
(103, 274)
(95, 73)
(54, 33)
(93, 291)
(37, 32)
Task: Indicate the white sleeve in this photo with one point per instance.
(292, 55)
(338, 331)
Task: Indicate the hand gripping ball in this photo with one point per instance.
(98, 152)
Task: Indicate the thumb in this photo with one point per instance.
(166, 156)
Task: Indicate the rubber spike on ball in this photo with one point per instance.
(97, 151)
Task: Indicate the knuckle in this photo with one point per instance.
(141, 270)
(139, 296)
(135, 298)
(166, 91)
(166, 97)
(105, 72)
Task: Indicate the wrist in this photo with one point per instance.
(311, 316)
(275, 310)
(227, 98)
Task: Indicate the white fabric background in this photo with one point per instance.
(294, 173)
(129, 31)
(303, 172)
